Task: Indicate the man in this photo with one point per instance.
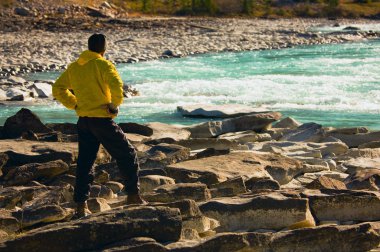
(97, 92)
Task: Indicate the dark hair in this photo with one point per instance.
(97, 43)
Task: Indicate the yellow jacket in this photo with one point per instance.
(95, 83)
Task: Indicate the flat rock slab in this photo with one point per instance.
(272, 211)
(98, 230)
(359, 164)
(212, 170)
(218, 111)
(162, 130)
(357, 139)
(344, 205)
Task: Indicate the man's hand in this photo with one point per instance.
(112, 109)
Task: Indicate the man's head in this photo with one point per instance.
(97, 43)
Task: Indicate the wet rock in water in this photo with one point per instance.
(44, 214)
(351, 28)
(101, 229)
(44, 90)
(287, 123)
(150, 182)
(307, 132)
(46, 171)
(230, 187)
(270, 211)
(326, 183)
(24, 120)
(343, 205)
(96, 205)
(164, 154)
(216, 169)
(218, 111)
(368, 179)
(174, 192)
(255, 122)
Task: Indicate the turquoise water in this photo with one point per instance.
(335, 85)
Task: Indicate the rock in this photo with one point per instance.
(205, 143)
(136, 128)
(210, 152)
(246, 137)
(348, 131)
(116, 187)
(368, 179)
(65, 128)
(351, 28)
(218, 111)
(357, 139)
(262, 184)
(24, 120)
(287, 123)
(101, 177)
(373, 144)
(307, 132)
(8, 223)
(26, 173)
(98, 13)
(16, 80)
(165, 154)
(307, 178)
(96, 205)
(136, 244)
(44, 90)
(63, 180)
(3, 161)
(162, 130)
(101, 229)
(170, 193)
(190, 234)
(187, 207)
(150, 182)
(23, 11)
(216, 169)
(271, 211)
(101, 191)
(326, 183)
(230, 187)
(343, 205)
(44, 214)
(255, 122)
(358, 164)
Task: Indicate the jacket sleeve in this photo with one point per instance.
(62, 93)
(112, 78)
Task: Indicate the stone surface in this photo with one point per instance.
(307, 132)
(116, 187)
(357, 139)
(204, 143)
(246, 137)
(44, 90)
(138, 244)
(160, 223)
(163, 154)
(287, 123)
(358, 164)
(255, 122)
(271, 211)
(170, 193)
(212, 170)
(230, 187)
(136, 128)
(262, 184)
(28, 172)
(101, 191)
(162, 130)
(24, 120)
(218, 111)
(150, 182)
(368, 179)
(326, 183)
(96, 205)
(344, 205)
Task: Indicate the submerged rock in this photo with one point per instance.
(218, 111)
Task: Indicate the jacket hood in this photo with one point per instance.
(87, 56)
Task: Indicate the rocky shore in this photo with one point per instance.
(249, 182)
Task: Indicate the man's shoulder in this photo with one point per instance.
(104, 62)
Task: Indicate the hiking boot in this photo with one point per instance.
(82, 210)
(135, 199)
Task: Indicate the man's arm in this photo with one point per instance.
(112, 78)
(62, 93)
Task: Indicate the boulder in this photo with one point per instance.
(44, 90)
(24, 120)
(216, 169)
(116, 187)
(271, 211)
(44, 214)
(307, 178)
(164, 154)
(170, 193)
(210, 152)
(254, 184)
(343, 205)
(138, 244)
(96, 205)
(348, 131)
(287, 123)
(255, 122)
(307, 132)
(368, 179)
(323, 182)
(358, 164)
(205, 143)
(162, 130)
(98, 230)
(65, 128)
(101, 191)
(45, 171)
(99, 13)
(135, 128)
(23, 11)
(246, 137)
(230, 187)
(355, 140)
(8, 223)
(150, 182)
(218, 111)
(371, 145)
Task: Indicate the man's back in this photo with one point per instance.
(95, 83)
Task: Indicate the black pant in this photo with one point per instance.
(91, 133)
